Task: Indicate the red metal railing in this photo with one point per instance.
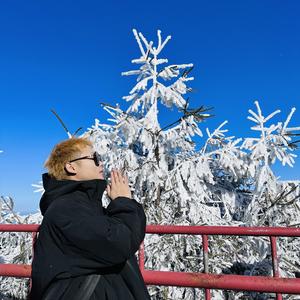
(204, 280)
(233, 282)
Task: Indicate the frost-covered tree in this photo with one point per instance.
(274, 143)
(254, 196)
(223, 183)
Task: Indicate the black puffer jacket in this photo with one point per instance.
(78, 237)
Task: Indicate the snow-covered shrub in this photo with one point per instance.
(15, 248)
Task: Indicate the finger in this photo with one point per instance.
(125, 179)
(113, 177)
(108, 190)
(119, 176)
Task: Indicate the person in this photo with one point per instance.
(84, 251)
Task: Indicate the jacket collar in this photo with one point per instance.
(56, 188)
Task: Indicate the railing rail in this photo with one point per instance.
(275, 284)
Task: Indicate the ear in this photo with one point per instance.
(70, 169)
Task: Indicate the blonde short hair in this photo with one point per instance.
(64, 152)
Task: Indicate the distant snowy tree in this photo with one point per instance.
(16, 248)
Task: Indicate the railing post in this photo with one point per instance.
(205, 262)
(275, 262)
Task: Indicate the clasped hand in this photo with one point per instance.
(118, 186)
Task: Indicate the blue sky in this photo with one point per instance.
(69, 55)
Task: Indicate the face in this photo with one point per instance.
(85, 169)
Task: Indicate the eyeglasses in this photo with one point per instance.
(96, 158)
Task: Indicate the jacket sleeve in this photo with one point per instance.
(119, 209)
(110, 238)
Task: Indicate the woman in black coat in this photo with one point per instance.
(84, 251)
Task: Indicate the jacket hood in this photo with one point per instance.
(56, 188)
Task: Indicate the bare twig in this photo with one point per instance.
(60, 120)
